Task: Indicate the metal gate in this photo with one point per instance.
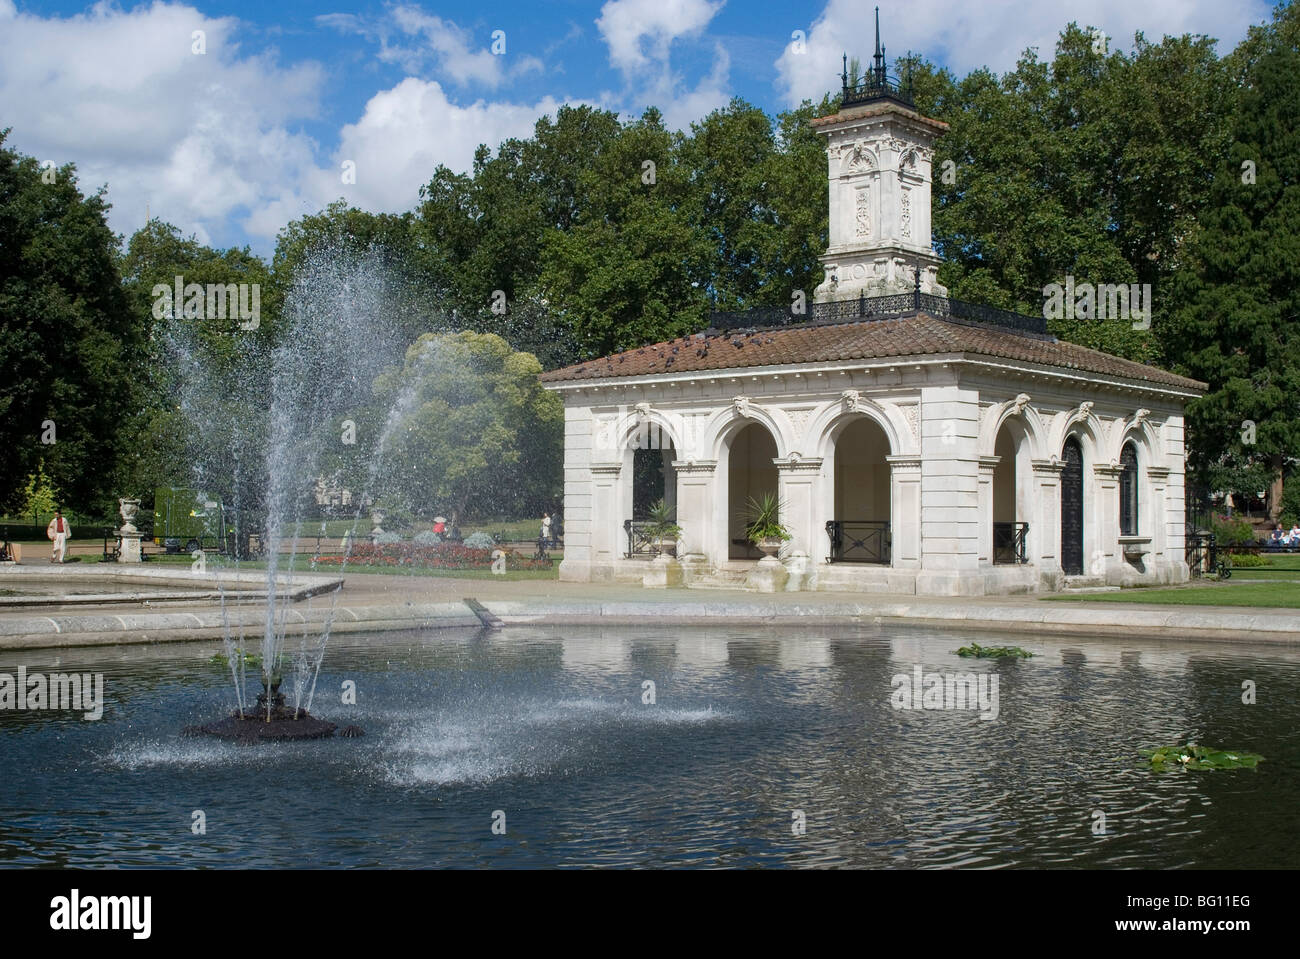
(1072, 509)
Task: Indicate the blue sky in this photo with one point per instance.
(232, 142)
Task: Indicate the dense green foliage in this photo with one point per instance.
(1235, 321)
(596, 234)
(68, 347)
(476, 431)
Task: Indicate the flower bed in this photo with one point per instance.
(440, 556)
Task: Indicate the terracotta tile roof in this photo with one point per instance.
(912, 335)
(864, 111)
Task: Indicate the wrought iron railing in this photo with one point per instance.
(877, 308)
(871, 88)
(640, 542)
(859, 541)
(1009, 542)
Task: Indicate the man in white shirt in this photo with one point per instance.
(58, 531)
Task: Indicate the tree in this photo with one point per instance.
(416, 295)
(474, 431)
(631, 270)
(68, 344)
(182, 430)
(1093, 166)
(1236, 320)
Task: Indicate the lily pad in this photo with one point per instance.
(250, 659)
(994, 652)
(1192, 756)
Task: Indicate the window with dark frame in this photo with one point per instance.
(1128, 491)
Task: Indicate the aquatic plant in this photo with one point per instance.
(1192, 756)
(994, 652)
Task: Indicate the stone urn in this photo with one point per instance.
(769, 546)
(129, 550)
(128, 508)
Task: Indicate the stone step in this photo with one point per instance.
(1084, 582)
(721, 579)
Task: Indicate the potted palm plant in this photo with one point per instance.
(764, 527)
(661, 526)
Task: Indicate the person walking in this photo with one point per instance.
(58, 531)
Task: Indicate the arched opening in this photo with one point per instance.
(1011, 494)
(751, 475)
(860, 530)
(1128, 490)
(653, 478)
(1072, 508)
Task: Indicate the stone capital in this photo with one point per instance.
(702, 467)
(795, 463)
(903, 462)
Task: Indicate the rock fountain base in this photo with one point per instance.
(284, 723)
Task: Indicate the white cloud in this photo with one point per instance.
(427, 42)
(191, 137)
(629, 26)
(212, 143)
(640, 35)
(966, 36)
(407, 131)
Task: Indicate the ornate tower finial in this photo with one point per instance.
(879, 69)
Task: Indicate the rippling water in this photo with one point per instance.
(749, 729)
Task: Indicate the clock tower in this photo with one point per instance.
(879, 152)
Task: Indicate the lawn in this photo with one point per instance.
(1207, 593)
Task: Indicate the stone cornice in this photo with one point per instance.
(695, 466)
(606, 469)
(904, 461)
(798, 464)
(1104, 385)
(1047, 466)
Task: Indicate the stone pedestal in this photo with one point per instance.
(767, 576)
(130, 546)
(693, 567)
(797, 567)
(663, 571)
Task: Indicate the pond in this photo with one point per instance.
(659, 746)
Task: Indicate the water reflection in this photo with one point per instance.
(747, 730)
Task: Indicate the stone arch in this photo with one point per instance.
(724, 423)
(649, 420)
(830, 419)
(996, 416)
(858, 158)
(1143, 433)
(1088, 426)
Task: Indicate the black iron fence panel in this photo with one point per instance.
(860, 541)
(876, 307)
(639, 540)
(1009, 542)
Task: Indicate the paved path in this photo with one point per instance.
(369, 603)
